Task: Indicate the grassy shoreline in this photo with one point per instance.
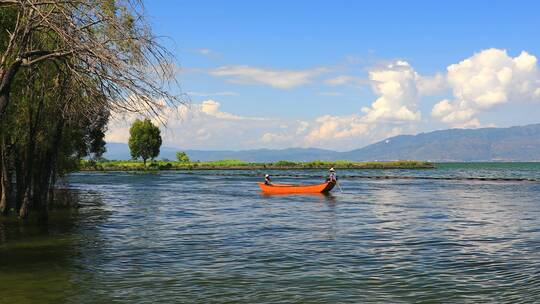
(240, 165)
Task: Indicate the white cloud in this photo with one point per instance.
(485, 80)
(349, 132)
(204, 51)
(302, 127)
(209, 108)
(281, 79)
(431, 85)
(275, 138)
(329, 128)
(202, 126)
(397, 87)
(117, 131)
(207, 52)
(343, 79)
(206, 126)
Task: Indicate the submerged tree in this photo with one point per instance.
(144, 140)
(65, 66)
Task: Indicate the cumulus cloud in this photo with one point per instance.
(399, 89)
(210, 108)
(281, 79)
(333, 132)
(204, 125)
(328, 128)
(290, 134)
(396, 84)
(485, 80)
(273, 138)
(349, 132)
(431, 85)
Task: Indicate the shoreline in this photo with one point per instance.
(175, 166)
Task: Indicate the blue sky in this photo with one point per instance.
(298, 73)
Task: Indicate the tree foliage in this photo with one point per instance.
(144, 140)
(106, 46)
(182, 157)
(66, 66)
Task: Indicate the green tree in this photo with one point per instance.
(144, 140)
(65, 66)
(182, 157)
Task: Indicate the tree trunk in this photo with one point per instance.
(4, 190)
(48, 172)
(19, 182)
(40, 196)
(4, 178)
(5, 193)
(4, 100)
(144, 162)
(3, 206)
(50, 195)
(5, 85)
(29, 182)
(25, 207)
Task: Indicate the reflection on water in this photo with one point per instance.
(198, 237)
(42, 262)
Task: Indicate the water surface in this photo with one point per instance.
(212, 237)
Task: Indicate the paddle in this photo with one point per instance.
(339, 186)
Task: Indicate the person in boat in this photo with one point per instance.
(332, 177)
(267, 180)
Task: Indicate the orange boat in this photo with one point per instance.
(290, 189)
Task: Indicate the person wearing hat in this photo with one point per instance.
(332, 177)
(267, 180)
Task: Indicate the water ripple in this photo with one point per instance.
(203, 238)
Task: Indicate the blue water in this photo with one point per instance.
(212, 237)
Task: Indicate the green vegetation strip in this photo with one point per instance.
(134, 165)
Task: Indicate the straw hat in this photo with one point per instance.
(267, 175)
(331, 170)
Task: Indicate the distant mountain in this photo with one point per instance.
(120, 151)
(486, 144)
(265, 155)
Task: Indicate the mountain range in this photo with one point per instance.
(520, 143)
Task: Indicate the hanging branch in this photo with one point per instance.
(104, 42)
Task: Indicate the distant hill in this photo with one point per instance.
(486, 144)
(265, 155)
(120, 151)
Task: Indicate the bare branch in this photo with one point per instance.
(107, 46)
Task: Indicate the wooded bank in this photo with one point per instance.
(65, 68)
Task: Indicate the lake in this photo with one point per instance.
(460, 233)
